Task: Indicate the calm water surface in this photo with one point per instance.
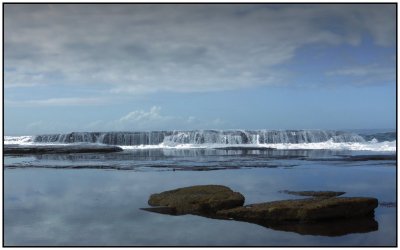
(72, 201)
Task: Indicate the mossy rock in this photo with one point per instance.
(203, 199)
(314, 209)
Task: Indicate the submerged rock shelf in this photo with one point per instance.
(324, 214)
(59, 149)
(326, 194)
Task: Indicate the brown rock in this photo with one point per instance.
(205, 199)
(322, 215)
(337, 227)
(304, 209)
(314, 193)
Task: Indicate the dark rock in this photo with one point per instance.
(324, 215)
(336, 227)
(204, 168)
(358, 158)
(161, 210)
(205, 199)
(59, 149)
(391, 157)
(314, 193)
(314, 209)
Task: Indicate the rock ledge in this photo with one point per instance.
(314, 209)
(323, 214)
(198, 199)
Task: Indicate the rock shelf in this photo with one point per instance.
(323, 214)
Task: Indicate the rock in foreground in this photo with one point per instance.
(205, 199)
(304, 209)
(321, 215)
(325, 194)
(331, 228)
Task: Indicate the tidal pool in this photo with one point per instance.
(64, 206)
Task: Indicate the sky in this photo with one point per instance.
(141, 67)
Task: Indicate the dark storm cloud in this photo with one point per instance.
(140, 48)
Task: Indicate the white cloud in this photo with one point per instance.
(361, 71)
(139, 120)
(143, 116)
(366, 74)
(69, 101)
(143, 48)
(358, 71)
(154, 119)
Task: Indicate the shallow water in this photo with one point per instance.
(62, 205)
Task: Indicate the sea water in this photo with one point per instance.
(95, 199)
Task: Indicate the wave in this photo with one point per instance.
(385, 136)
(231, 137)
(329, 145)
(19, 139)
(276, 139)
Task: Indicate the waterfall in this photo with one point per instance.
(228, 137)
(111, 138)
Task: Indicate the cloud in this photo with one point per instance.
(69, 101)
(154, 119)
(360, 71)
(366, 74)
(143, 116)
(142, 48)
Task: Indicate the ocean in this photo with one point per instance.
(88, 188)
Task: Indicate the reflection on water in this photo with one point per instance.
(326, 228)
(330, 228)
(155, 154)
(184, 159)
(53, 207)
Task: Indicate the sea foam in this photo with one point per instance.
(276, 139)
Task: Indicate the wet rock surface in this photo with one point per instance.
(204, 199)
(313, 209)
(324, 228)
(372, 158)
(359, 158)
(324, 214)
(59, 149)
(314, 193)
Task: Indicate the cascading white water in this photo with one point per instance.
(196, 137)
(279, 139)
